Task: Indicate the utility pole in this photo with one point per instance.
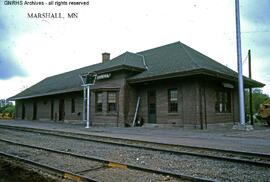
(250, 89)
(239, 63)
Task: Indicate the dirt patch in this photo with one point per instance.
(11, 172)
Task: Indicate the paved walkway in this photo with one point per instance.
(257, 140)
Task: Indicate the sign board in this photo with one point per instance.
(88, 79)
(103, 76)
(227, 85)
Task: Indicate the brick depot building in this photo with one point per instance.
(176, 85)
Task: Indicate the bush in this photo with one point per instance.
(8, 110)
(258, 97)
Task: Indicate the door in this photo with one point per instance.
(61, 109)
(151, 106)
(23, 111)
(34, 110)
(52, 109)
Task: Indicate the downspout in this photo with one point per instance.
(117, 122)
(200, 105)
(205, 112)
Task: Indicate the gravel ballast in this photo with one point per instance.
(189, 165)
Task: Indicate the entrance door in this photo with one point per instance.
(152, 106)
(34, 110)
(23, 111)
(52, 109)
(61, 109)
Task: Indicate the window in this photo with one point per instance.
(72, 105)
(223, 102)
(99, 102)
(173, 100)
(111, 101)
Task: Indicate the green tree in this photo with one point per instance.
(9, 110)
(2, 109)
(258, 97)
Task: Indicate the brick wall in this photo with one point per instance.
(193, 108)
(117, 83)
(44, 106)
(211, 86)
(186, 106)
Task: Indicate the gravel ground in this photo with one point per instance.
(190, 165)
(82, 166)
(220, 137)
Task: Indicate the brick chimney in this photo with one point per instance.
(105, 57)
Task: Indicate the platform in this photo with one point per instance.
(257, 140)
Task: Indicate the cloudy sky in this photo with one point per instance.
(33, 49)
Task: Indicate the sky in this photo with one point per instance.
(33, 49)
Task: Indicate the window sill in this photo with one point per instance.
(223, 112)
(111, 113)
(173, 114)
(98, 113)
(105, 114)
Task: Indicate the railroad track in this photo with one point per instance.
(258, 159)
(52, 170)
(79, 176)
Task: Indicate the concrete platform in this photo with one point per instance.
(223, 137)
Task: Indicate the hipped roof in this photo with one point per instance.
(172, 60)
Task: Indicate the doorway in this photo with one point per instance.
(52, 109)
(34, 110)
(61, 109)
(151, 95)
(23, 111)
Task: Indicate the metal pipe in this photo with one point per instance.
(239, 63)
(87, 97)
(204, 101)
(200, 100)
(88, 107)
(84, 103)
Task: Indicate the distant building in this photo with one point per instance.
(173, 84)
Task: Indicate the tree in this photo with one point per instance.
(258, 97)
(8, 110)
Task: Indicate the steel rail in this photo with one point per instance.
(110, 163)
(56, 172)
(80, 136)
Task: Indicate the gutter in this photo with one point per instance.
(45, 94)
(248, 82)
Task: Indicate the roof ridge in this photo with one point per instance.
(125, 57)
(143, 59)
(89, 66)
(144, 62)
(182, 45)
(207, 57)
(158, 47)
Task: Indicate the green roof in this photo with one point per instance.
(70, 81)
(174, 59)
(178, 58)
